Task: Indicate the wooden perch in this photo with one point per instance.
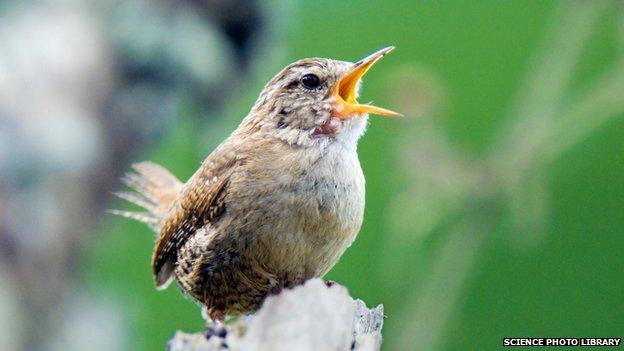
(309, 317)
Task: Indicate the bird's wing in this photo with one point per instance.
(201, 201)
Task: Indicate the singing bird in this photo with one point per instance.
(276, 203)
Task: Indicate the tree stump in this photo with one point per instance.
(311, 317)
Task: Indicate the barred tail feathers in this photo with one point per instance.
(154, 189)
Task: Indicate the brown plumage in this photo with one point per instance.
(275, 204)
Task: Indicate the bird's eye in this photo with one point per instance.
(310, 81)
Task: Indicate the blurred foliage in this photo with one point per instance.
(494, 208)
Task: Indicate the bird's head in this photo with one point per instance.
(314, 100)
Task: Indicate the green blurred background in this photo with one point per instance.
(494, 208)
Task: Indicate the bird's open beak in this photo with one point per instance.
(345, 90)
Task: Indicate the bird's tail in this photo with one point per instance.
(154, 189)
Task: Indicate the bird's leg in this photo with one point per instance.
(216, 323)
(217, 316)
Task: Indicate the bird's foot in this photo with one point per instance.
(216, 330)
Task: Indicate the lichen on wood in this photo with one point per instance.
(313, 316)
